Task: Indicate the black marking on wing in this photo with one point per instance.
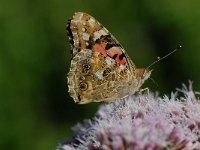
(115, 56)
(79, 97)
(69, 32)
(90, 43)
(71, 39)
(108, 46)
(110, 41)
(98, 41)
(122, 56)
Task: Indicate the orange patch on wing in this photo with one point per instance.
(100, 48)
(115, 50)
(111, 52)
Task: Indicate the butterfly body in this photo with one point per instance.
(100, 68)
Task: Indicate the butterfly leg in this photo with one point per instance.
(141, 91)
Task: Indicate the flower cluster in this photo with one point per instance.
(142, 122)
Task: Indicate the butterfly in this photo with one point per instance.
(100, 69)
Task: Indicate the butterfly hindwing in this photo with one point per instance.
(94, 77)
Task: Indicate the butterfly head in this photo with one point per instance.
(142, 74)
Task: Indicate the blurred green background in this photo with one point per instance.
(36, 112)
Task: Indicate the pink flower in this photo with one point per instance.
(143, 122)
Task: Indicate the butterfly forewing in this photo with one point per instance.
(100, 68)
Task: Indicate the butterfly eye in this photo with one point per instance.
(83, 86)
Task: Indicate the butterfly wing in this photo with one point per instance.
(100, 68)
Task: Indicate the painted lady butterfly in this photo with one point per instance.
(100, 69)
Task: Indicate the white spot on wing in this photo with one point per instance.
(99, 75)
(121, 67)
(103, 32)
(88, 52)
(99, 33)
(86, 36)
(85, 55)
(83, 29)
(109, 61)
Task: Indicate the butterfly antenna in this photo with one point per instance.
(159, 59)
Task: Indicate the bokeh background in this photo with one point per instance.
(36, 112)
